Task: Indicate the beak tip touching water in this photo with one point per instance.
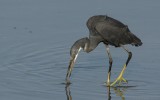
(71, 65)
(67, 81)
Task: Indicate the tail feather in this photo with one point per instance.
(136, 41)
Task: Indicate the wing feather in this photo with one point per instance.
(113, 31)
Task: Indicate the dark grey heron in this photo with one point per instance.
(109, 31)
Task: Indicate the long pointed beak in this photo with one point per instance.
(71, 65)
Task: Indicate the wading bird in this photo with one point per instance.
(109, 31)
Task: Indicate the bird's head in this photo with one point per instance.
(82, 43)
(75, 49)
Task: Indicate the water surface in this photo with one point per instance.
(35, 38)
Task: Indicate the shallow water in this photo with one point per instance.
(35, 38)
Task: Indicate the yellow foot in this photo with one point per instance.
(120, 78)
(118, 81)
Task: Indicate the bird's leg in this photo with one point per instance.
(120, 77)
(110, 65)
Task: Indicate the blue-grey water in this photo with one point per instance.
(36, 36)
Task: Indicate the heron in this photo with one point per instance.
(109, 31)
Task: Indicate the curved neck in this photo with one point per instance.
(87, 44)
(91, 44)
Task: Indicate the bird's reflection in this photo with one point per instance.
(119, 91)
(68, 92)
(109, 93)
